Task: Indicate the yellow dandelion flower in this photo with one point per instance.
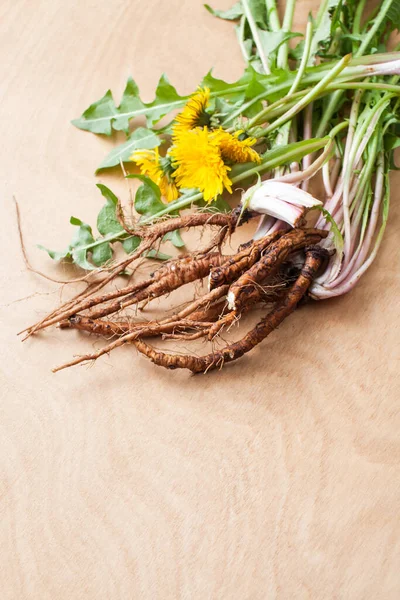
(235, 150)
(199, 164)
(150, 164)
(194, 112)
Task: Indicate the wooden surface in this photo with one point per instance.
(276, 478)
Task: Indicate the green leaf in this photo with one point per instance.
(107, 221)
(393, 13)
(157, 255)
(131, 243)
(84, 233)
(83, 242)
(256, 83)
(130, 103)
(88, 252)
(238, 90)
(82, 238)
(102, 116)
(101, 254)
(258, 10)
(337, 236)
(254, 109)
(99, 116)
(391, 141)
(148, 197)
(175, 238)
(322, 32)
(140, 138)
(77, 249)
(232, 14)
(167, 99)
(272, 40)
(214, 84)
(223, 108)
(53, 254)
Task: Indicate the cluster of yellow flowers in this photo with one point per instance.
(200, 156)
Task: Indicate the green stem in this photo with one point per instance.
(282, 155)
(357, 68)
(304, 58)
(240, 37)
(256, 37)
(282, 62)
(373, 113)
(336, 98)
(278, 108)
(373, 116)
(366, 85)
(312, 94)
(323, 9)
(329, 110)
(358, 16)
(272, 15)
(283, 52)
(281, 104)
(366, 175)
(374, 158)
(377, 23)
(337, 129)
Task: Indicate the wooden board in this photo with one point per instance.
(277, 478)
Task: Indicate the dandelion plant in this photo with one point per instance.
(308, 133)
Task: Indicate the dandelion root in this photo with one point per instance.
(241, 262)
(149, 235)
(234, 351)
(261, 271)
(245, 290)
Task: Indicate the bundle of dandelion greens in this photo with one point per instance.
(327, 107)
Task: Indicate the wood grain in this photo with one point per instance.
(276, 478)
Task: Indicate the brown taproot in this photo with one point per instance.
(149, 235)
(241, 262)
(168, 278)
(245, 290)
(149, 330)
(233, 351)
